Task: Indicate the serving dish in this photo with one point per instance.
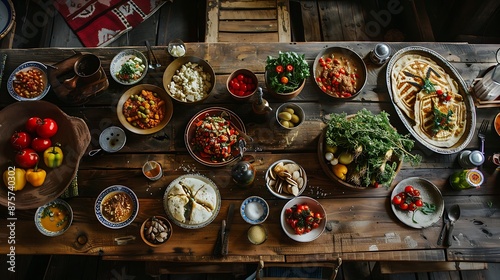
(462, 90)
(73, 135)
(297, 115)
(288, 185)
(119, 60)
(496, 124)
(167, 106)
(7, 17)
(315, 207)
(156, 231)
(234, 123)
(180, 94)
(116, 194)
(254, 210)
(192, 201)
(25, 67)
(429, 193)
(242, 84)
(54, 218)
(355, 63)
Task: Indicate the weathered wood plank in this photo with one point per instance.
(248, 4)
(310, 21)
(254, 14)
(331, 24)
(415, 267)
(284, 26)
(248, 26)
(212, 27)
(248, 37)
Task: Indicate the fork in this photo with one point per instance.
(482, 133)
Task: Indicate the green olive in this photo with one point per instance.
(285, 116)
(289, 110)
(285, 123)
(295, 119)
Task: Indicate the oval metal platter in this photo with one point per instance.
(450, 70)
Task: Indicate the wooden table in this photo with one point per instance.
(363, 226)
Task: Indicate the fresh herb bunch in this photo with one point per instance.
(286, 72)
(374, 141)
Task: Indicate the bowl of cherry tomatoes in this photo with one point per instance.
(242, 84)
(40, 139)
(303, 219)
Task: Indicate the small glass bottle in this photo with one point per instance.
(261, 107)
(466, 179)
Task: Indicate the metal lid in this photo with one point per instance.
(112, 139)
(382, 50)
(474, 178)
(476, 158)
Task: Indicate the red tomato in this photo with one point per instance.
(20, 140)
(412, 206)
(409, 189)
(241, 78)
(32, 123)
(289, 68)
(40, 144)
(284, 80)
(416, 192)
(279, 69)
(403, 206)
(419, 203)
(47, 128)
(27, 158)
(396, 200)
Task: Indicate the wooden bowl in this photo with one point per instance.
(175, 65)
(284, 95)
(161, 224)
(74, 136)
(249, 94)
(169, 109)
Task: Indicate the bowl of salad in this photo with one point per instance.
(212, 136)
(286, 75)
(128, 67)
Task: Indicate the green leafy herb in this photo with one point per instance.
(442, 121)
(426, 209)
(428, 86)
(374, 141)
(300, 71)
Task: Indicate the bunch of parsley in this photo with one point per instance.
(295, 77)
(374, 141)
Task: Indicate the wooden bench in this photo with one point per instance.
(248, 21)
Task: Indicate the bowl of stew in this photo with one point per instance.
(339, 72)
(116, 207)
(28, 82)
(145, 109)
(54, 218)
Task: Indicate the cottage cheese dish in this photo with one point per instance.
(190, 83)
(431, 98)
(191, 200)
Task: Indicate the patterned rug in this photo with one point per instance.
(97, 23)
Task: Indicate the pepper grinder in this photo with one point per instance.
(261, 107)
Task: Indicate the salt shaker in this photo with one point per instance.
(380, 54)
(470, 159)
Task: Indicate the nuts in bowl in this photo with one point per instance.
(28, 82)
(156, 230)
(286, 179)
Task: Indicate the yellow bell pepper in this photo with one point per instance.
(53, 156)
(340, 171)
(14, 178)
(36, 176)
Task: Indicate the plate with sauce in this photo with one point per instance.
(116, 207)
(54, 218)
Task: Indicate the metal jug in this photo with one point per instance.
(488, 88)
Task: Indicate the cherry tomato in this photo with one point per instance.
(32, 123)
(396, 200)
(284, 80)
(412, 206)
(47, 128)
(409, 189)
(289, 68)
(26, 158)
(299, 230)
(40, 144)
(419, 202)
(279, 69)
(241, 78)
(403, 206)
(20, 140)
(288, 211)
(416, 192)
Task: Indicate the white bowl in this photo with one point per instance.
(106, 194)
(30, 65)
(45, 211)
(120, 59)
(316, 207)
(284, 193)
(254, 210)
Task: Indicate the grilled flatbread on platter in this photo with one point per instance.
(426, 93)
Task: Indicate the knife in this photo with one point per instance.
(225, 236)
(220, 237)
(443, 230)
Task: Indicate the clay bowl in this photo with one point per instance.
(73, 135)
(247, 95)
(284, 95)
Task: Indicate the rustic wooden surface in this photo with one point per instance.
(360, 220)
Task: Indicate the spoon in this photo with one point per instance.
(156, 62)
(453, 216)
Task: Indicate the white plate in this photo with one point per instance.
(429, 193)
(120, 59)
(316, 207)
(198, 178)
(25, 67)
(7, 16)
(104, 194)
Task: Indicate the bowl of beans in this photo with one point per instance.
(28, 82)
(339, 72)
(116, 207)
(189, 79)
(145, 109)
(242, 84)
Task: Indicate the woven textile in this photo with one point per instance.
(99, 22)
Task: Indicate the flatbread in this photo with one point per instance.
(177, 207)
(199, 214)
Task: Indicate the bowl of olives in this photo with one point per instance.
(290, 115)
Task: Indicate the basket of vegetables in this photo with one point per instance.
(286, 74)
(363, 150)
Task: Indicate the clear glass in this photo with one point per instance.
(176, 48)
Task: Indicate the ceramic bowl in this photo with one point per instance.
(315, 207)
(124, 56)
(73, 135)
(54, 218)
(278, 186)
(355, 62)
(156, 231)
(104, 206)
(168, 109)
(32, 67)
(295, 112)
(246, 77)
(254, 210)
(179, 93)
(496, 124)
(284, 95)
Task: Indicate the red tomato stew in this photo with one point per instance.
(145, 110)
(337, 76)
